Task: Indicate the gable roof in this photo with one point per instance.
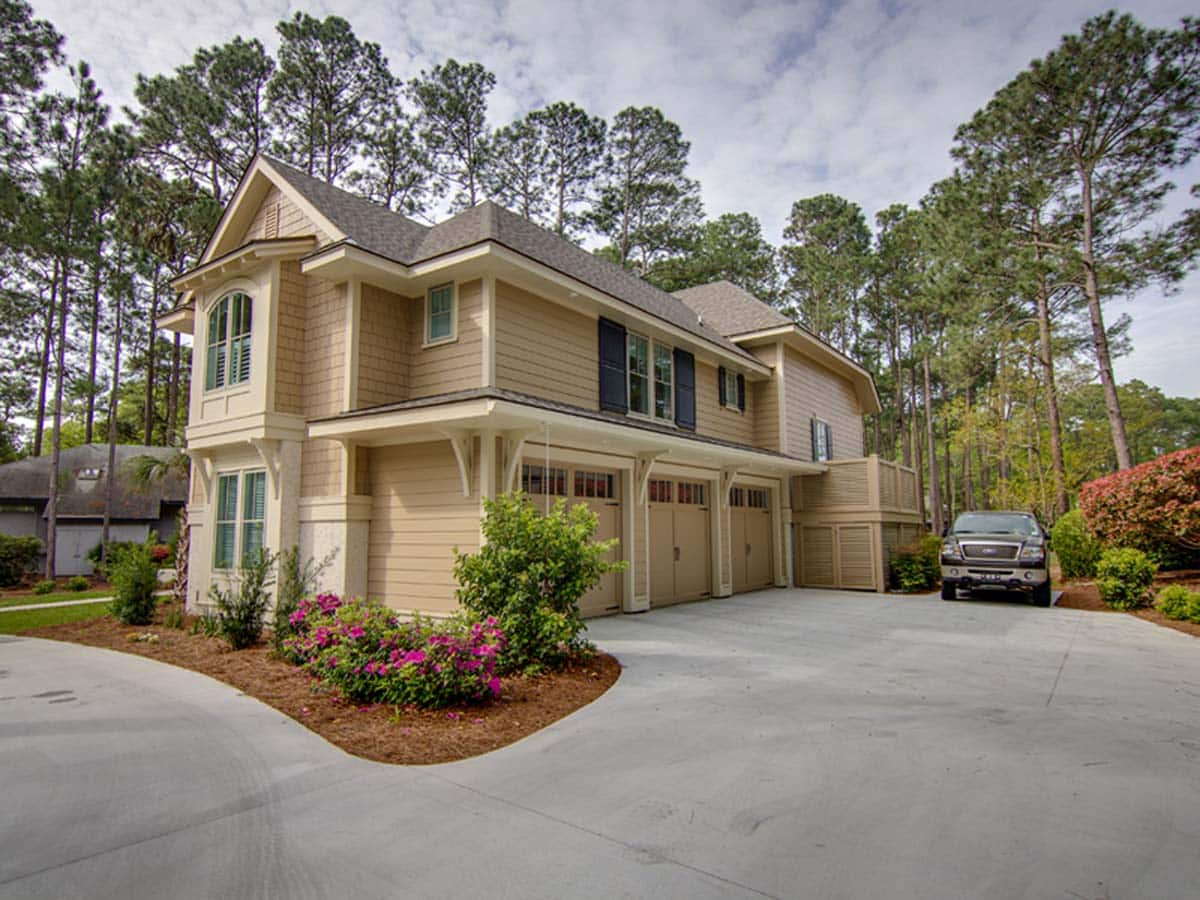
(731, 310)
(29, 480)
(380, 231)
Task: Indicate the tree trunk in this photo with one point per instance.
(1112, 404)
(56, 453)
(173, 393)
(950, 505)
(1002, 460)
(93, 342)
(918, 466)
(148, 422)
(1046, 358)
(39, 427)
(110, 472)
(937, 520)
(968, 498)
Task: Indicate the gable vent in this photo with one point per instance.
(271, 225)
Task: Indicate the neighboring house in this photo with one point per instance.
(363, 382)
(83, 484)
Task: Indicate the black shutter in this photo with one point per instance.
(685, 390)
(613, 356)
(741, 392)
(812, 431)
(722, 397)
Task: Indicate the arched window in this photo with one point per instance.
(228, 359)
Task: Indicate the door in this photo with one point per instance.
(750, 538)
(680, 555)
(600, 492)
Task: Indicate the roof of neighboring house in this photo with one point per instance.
(729, 309)
(379, 230)
(81, 496)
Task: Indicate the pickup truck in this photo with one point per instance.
(1005, 550)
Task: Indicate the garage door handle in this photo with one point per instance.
(676, 554)
(747, 549)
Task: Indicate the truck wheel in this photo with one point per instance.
(949, 591)
(1041, 595)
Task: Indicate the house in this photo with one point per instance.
(363, 382)
(137, 509)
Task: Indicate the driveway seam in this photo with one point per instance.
(1066, 654)
(602, 836)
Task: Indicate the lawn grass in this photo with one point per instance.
(13, 622)
(53, 597)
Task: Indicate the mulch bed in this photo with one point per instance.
(1084, 595)
(380, 733)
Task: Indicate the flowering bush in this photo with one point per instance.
(1148, 506)
(372, 656)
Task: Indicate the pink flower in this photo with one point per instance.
(494, 685)
(451, 715)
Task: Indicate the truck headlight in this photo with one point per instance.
(1033, 553)
(950, 549)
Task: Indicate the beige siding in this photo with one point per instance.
(766, 414)
(843, 485)
(454, 366)
(382, 347)
(278, 217)
(324, 358)
(812, 390)
(816, 554)
(290, 345)
(419, 514)
(545, 349)
(714, 420)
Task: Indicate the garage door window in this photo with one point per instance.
(594, 484)
(692, 493)
(659, 491)
(540, 480)
(754, 498)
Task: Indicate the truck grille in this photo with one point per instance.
(990, 551)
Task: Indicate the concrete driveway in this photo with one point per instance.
(784, 744)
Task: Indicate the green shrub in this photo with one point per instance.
(530, 574)
(242, 606)
(115, 549)
(1076, 547)
(296, 581)
(917, 567)
(134, 577)
(175, 618)
(44, 587)
(1176, 602)
(77, 583)
(18, 553)
(1124, 576)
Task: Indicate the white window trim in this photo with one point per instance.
(651, 381)
(239, 520)
(244, 384)
(826, 429)
(428, 321)
(731, 400)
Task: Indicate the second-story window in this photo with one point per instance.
(639, 374)
(664, 383)
(227, 361)
(440, 321)
(822, 441)
(730, 392)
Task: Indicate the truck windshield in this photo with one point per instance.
(996, 523)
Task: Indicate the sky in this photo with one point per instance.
(780, 100)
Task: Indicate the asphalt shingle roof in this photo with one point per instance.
(379, 230)
(28, 480)
(731, 310)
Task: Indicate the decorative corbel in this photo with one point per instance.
(461, 444)
(268, 452)
(728, 474)
(202, 464)
(514, 444)
(645, 465)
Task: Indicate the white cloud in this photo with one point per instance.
(781, 100)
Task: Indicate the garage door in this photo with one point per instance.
(679, 541)
(600, 491)
(750, 538)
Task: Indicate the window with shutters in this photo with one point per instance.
(441, 315)
(729, 394)
(822, 441)
(238, 530)
(227, 358)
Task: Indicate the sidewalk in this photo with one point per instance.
(27, 606)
